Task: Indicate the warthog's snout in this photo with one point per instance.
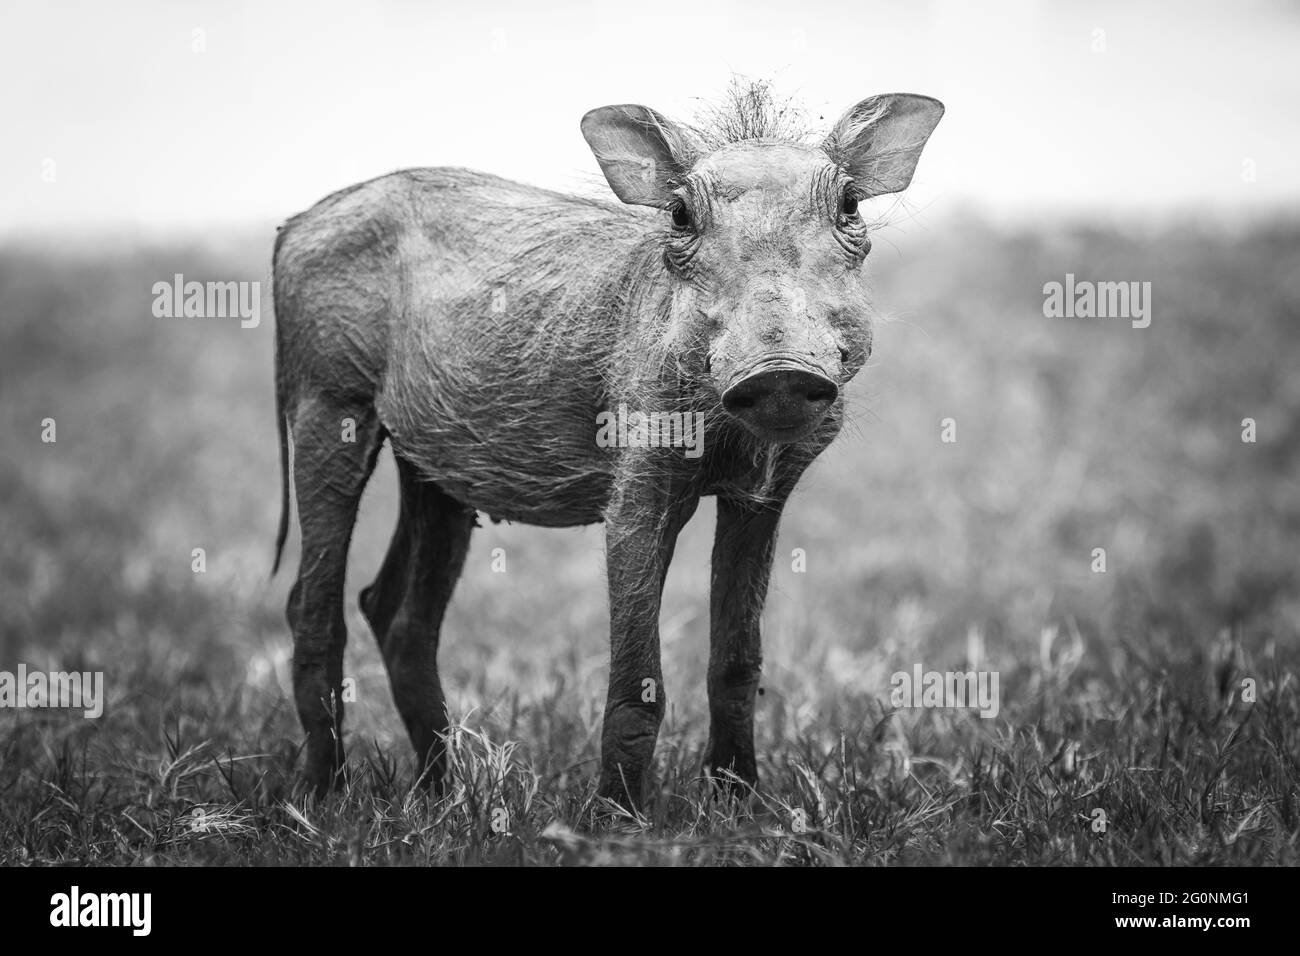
(780, 401)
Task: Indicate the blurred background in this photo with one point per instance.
(1114, 141)
(204, 115)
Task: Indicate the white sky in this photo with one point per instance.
(293, 100)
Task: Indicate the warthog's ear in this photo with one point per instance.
(880, 140)
(640, 152)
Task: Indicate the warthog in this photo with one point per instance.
(483, 327)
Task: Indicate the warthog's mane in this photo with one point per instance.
(750, 112)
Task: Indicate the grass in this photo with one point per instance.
(1121, 692)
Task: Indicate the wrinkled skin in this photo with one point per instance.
(480, 326)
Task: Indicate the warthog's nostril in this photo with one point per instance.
(822, 393)
(741, 397)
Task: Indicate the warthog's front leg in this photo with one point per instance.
(742, 561)
(642, 523)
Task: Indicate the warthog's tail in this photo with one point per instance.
(283, 531)
(282, 423)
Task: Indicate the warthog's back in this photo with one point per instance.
(480, 314)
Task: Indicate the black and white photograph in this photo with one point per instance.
(701, 435)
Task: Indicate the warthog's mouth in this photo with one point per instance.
(785, 436)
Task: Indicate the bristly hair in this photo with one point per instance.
(750, 111)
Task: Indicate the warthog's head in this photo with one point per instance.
(764, 242)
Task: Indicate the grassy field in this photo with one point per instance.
(1121, 692)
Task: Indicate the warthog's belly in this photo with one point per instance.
(560, 499)
(512, 466)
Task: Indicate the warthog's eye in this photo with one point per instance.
(848, 203)
(850, 231)
(683, 240)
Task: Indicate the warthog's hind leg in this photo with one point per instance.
(405, 607)
(335, 446)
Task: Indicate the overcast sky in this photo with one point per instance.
(143, 123)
